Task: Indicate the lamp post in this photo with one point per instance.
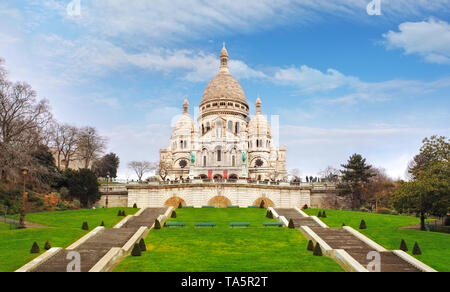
(107, 189)
(24, 199)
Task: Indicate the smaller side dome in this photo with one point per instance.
(259, 126)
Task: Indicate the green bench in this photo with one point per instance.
(253, 207)
(205, 224)
(187, 207)
(279, 224)
(233, 207)
(239, 224)
(175, 224)
(208, 207)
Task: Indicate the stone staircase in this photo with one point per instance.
(339, 238)
(96, 247)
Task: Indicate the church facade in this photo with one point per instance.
(226, 143)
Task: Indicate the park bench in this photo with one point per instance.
(239, 224)
(279, 224)
(187, 207)
(175, 224)
(208, 207)
(232, 206)
(205, 224)
(253, 207)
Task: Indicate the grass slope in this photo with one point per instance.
(386, 231)
(65, 228)
(225, 249)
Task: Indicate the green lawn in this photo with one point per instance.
(385, 230)
(225, 249)
(65, 228)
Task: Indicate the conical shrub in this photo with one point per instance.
(319, 214)
(262, 205)
(119, 213)
(174, 215)
(123, 213)
(317, 250)
(135, 206)
(291, 224)
(343, 224)
(136, 252)
(142, 245)
(102, 224)
(310, 246)
(324, 215)
(403, 246)
(85, 226)
(180, 205)
(416, 249)
(362, 225)
(35, 248)
(269, 214)
(47, 245)
(157, 224)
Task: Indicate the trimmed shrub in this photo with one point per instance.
(403, 246)
(136, 252)
(123, 213)
(362, 225)
(320, 214)
(119, 213)
(269, 214)
(35, 248)
(180, 205)
(135, 206)
(343, 224)
(102, 224)
(310, 246)
(47, 245)
(416, 249)
(142, 245)
(317, 250)
(324, 215)
(85, 226)
(262, 205)
(157, 224)
(174, 215)
(291, 224)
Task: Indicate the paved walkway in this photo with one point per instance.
(98, 246)
(339, 238)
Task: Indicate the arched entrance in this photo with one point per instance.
(220, 202)
(174, 202)
(218, 177)
(203, 176)
(267, 202)
(233, 176)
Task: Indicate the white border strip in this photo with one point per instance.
(128, 247)
(314, 237)
(348, 262)
(365, 239)
(39, 260)
(123, 222)
(284, 220)
(85, 238)
(413, 261)
(274, 213)
(320, 222)
(301, 212)
(106, 263)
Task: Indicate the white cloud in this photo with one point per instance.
(429, 39)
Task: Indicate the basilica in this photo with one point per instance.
(226, 143)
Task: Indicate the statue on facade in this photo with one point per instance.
(192, 158)
(244, 157)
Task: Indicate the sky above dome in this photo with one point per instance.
(341, 81)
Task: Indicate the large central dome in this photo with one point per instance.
(224, 86)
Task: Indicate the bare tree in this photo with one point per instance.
(142, 167)
(295, 173)
(330, 174)
(64, 141)
(163, 170)
(90, 145)
(22, 121)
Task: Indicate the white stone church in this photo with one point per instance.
(226, 143)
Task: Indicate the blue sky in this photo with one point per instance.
(341, 81)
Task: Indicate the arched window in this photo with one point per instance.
(233, 161)
(208, 126)
(237, 128)
(219, 154)
(185, 144)
(257, 143)
(204, 161)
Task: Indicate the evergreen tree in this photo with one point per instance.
(136, 252)
(291, 224)
(142, 245)
(403, 246)
(310, 246)
(355, 175)
(362, 225)
(317, 250)
(47, 245)
(416, 249)
(35, 248)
